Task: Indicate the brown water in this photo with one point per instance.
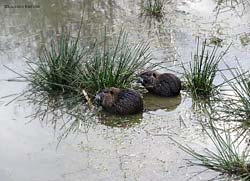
(139, 148)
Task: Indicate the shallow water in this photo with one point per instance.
(134, 150)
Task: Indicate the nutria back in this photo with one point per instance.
(165, 84)
(120, 101)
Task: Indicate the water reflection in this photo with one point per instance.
(160, 30)
(110, 152)
(153, 103)
(119, 121)
(24, 30)
(67, 114)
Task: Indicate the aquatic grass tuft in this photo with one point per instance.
(56, 66)
(228, 157)
(64, 67)
(114, 62)
(153, 8)
(236, 106)
(200, 73)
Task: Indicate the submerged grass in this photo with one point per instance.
(227, 157)
(200, 73)
(153, 8)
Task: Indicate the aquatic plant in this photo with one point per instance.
(153, 8)
(227, 156)
(238, 6)
(236, 106)
(64, 67)
(114, 63)
(200, 73)
(56, 66)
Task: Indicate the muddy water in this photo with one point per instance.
(135, 150)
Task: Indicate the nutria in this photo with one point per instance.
(165, 84)
(120, 101)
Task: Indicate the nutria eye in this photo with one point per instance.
(154, 75)
(111, 92)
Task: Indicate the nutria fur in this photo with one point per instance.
(120, 101)
(165, 84)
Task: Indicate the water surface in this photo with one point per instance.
(137, 150)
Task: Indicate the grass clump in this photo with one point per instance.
(56, 66)
(114, 62)
(153, 8)
(227, 157)
(236, 106)
(201, 71)
(65, 68)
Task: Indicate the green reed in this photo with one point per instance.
(226, 157)
(200, 73)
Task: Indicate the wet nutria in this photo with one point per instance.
(120, 101)
(165, 84)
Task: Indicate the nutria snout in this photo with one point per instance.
(120, 101)
(165, 84)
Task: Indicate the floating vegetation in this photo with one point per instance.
(153, 8)
(227, 157)
(201, 70)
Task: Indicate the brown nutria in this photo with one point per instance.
(120, 101)
(165, 84)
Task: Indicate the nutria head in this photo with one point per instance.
(148, 79)
(107, 96)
